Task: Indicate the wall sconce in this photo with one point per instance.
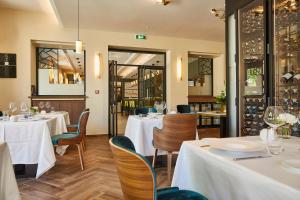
(98, 65)
(179, 69)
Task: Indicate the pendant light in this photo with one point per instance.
(78, 43)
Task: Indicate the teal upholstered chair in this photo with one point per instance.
(75, 138)
(144, 110)
(138, 178)
(74, 128)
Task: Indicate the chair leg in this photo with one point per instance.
(154, 158)
(79, 147)
(83, 144)
(169, 166)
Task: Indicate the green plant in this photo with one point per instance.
(221, 98)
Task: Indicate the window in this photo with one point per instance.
(60, 72)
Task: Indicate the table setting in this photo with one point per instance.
(251, 167)
(28, 135)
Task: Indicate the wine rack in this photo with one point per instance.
(287, 55)
(252, 64)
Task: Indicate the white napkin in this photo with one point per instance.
(267, 135)
(61, 150)
(172, 112)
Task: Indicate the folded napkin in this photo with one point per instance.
(267, 135)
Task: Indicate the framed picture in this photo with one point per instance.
(8, 65)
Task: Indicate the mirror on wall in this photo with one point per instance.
(60, 71)
(200, 73)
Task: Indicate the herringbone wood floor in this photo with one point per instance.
(65, 180)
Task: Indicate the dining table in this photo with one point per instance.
(139, 129)
(8, 184)
(220, 176)
(29, 139)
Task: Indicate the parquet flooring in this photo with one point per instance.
(65, 180)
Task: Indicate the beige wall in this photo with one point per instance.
(19, 28)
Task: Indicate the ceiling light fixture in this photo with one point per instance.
(219, 13)
(163, 2)
(78, 43)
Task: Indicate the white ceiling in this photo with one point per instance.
(28, 5)
(182, 18)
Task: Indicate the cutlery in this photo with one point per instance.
(251, 157)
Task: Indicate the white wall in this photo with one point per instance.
(18, 28)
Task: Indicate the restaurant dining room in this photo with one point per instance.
(150, 100)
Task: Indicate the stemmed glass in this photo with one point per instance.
(41, 106)
(24, 108)
(12, 107)
(273, 117)
(164, 106)
(48, 106)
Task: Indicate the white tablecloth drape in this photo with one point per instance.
(222, 178)
(140, 132)
(30, 142)
(62, 120)
(8, 184)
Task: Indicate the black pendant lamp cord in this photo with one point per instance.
(78, 21)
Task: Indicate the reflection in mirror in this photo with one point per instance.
(60, 72)
(200, 75)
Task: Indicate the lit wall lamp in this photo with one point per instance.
(179, 69)
(98, 65)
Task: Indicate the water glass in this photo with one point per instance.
(275, 145)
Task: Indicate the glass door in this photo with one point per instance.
(287, 54)
(151, 85)
(113, 99)
(252, 58)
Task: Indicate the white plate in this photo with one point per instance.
(291, 165)
(237, 145)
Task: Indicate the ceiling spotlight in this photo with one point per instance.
(219, 13)
(163, 2)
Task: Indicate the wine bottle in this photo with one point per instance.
(296, 78)
(285, 78)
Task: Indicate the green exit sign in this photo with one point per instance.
(140, 37)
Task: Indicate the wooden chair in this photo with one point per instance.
(74, 138)
(138, 178)
(74, 129)
(176, 129)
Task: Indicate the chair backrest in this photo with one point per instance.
(145, 110)
(183, 108)
(137, 177)
(83, 119)
(177, 128)
(1, 113)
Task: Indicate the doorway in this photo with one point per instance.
(137, 79)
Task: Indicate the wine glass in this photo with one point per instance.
(48, 106)
(12, 107)
(274, 118)
(24, 107)
(41, 106)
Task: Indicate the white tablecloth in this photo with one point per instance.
(140, 132)
(62, 120)
(218, 177)
(30, 142)
(8, 184)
